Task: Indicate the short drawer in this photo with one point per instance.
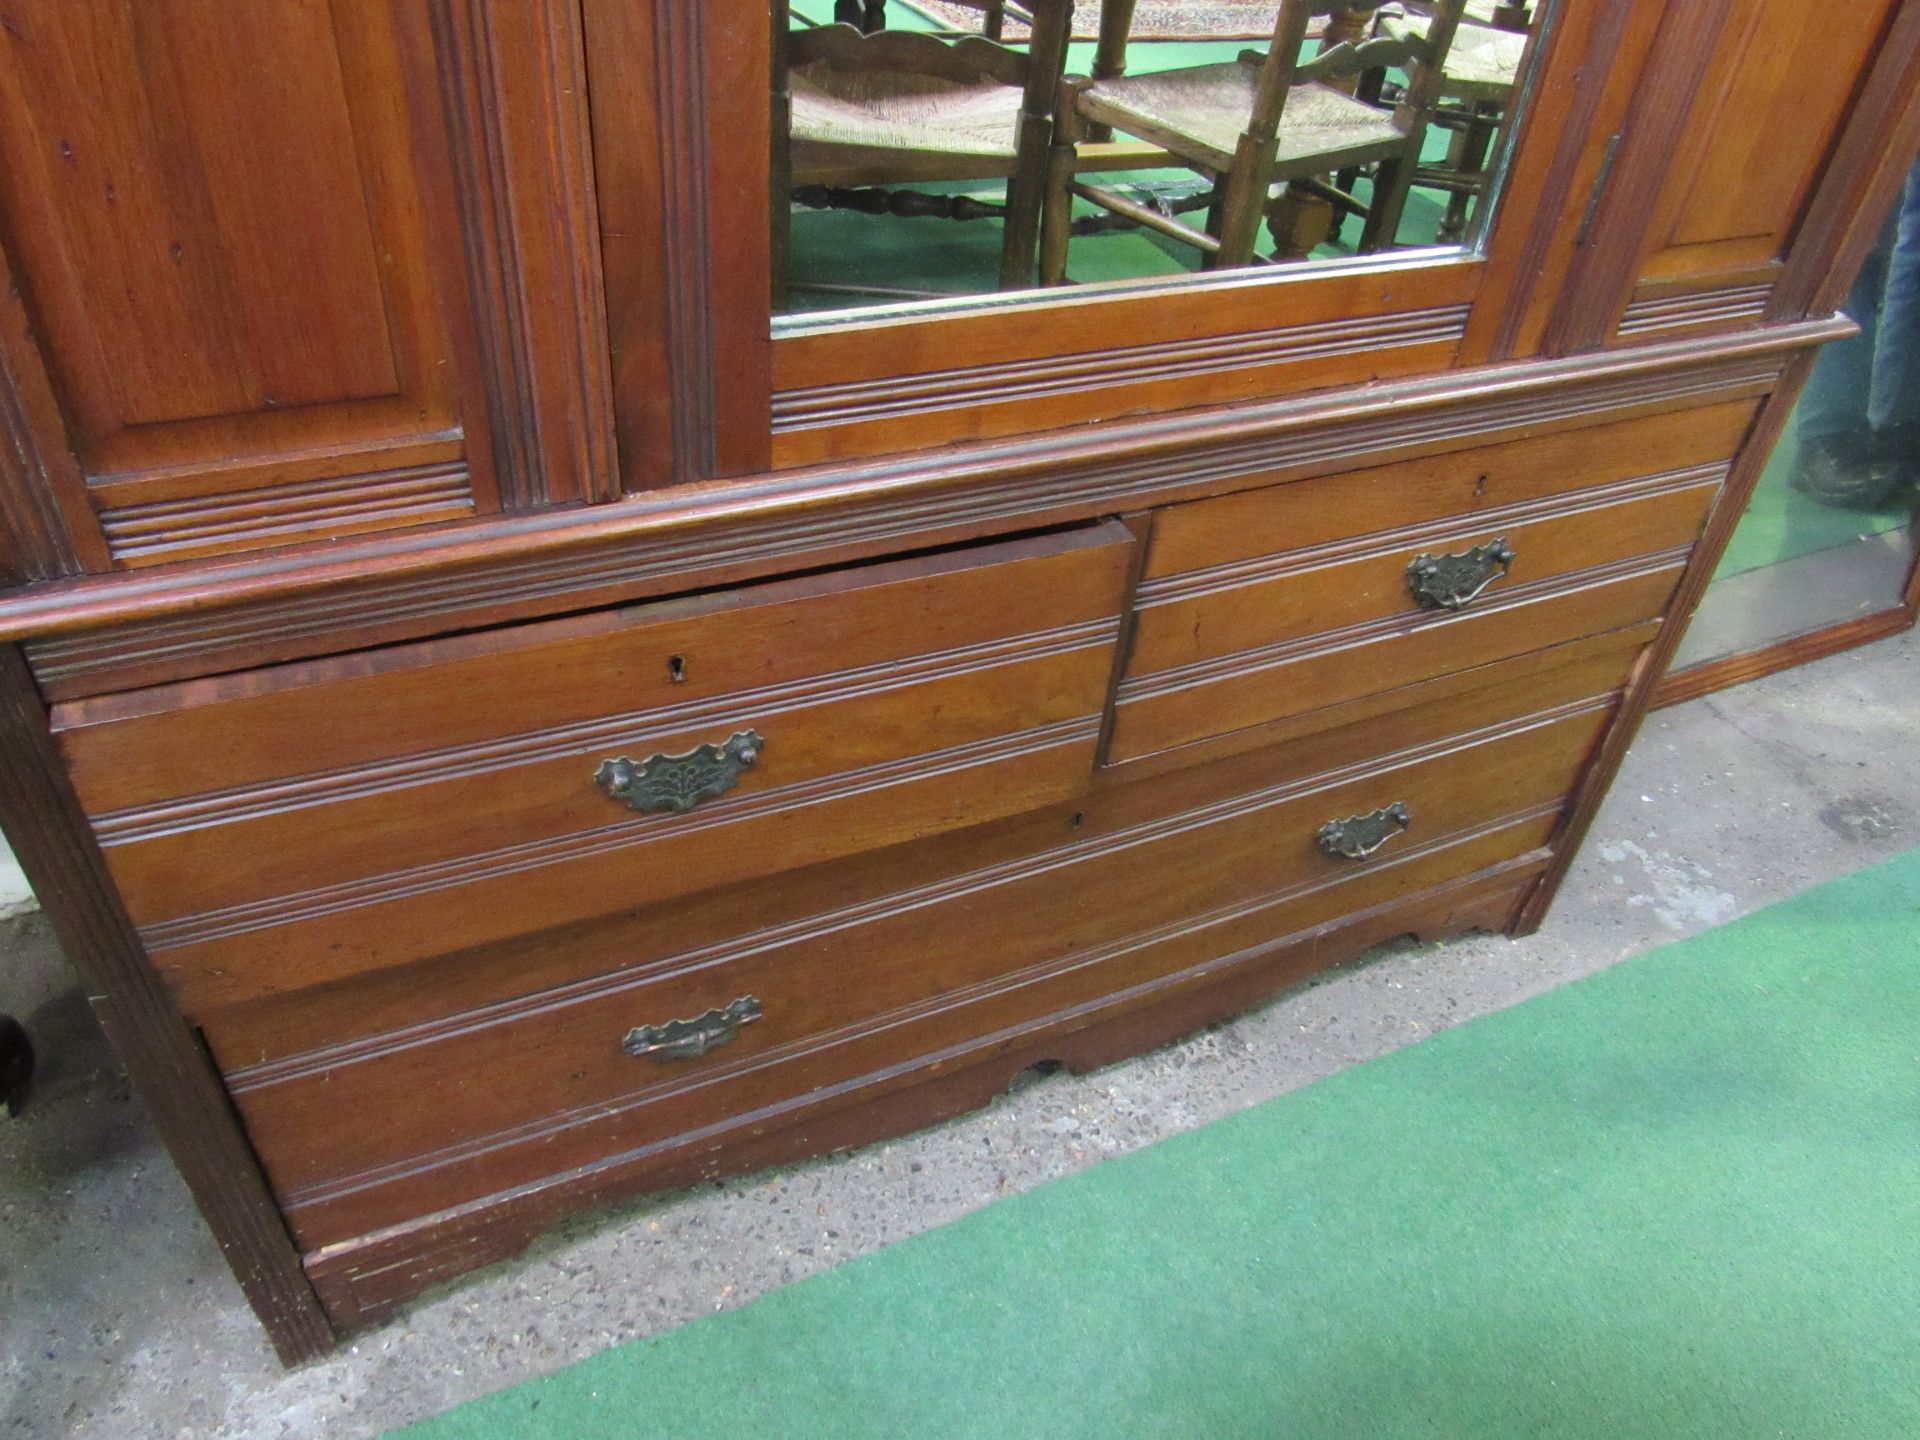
(1258, 606)
(1161, 711)
(1477, 482)
(1207, 615)
(751, 1027)
(290, 826)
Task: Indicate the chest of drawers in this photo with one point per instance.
(503, 725)
(914, 825)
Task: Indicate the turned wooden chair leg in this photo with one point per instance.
(1063, 159)
(1026, 197)
(1390, 183)
(1215, 219)
(1467, 157)
(1244, 204)
(1110, 51)
(1293, 226)
(780, 143)
(1056, 214)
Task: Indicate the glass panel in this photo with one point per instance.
(1828, 535)
(923, 141)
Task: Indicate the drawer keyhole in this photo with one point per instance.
(677, 669)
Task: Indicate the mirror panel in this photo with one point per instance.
(1828, 535)
(928, 154)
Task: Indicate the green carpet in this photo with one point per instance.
(1782, 524)
(1678, 1199)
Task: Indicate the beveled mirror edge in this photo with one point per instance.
(1260, 277)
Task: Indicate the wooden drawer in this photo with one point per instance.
(1489, 478)
(1200, 617)
(1149, 881)
(652, 939)
(1230, 634)
(284, 827)
(1157, 712)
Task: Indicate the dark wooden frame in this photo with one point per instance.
(1711, 676)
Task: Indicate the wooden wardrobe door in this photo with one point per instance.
(1744, 112)
(250, 238)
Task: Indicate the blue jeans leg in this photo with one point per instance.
(1835, 404)
(1895, 398)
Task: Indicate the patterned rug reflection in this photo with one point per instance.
(1193, 20)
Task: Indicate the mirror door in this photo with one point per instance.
(1826, 545)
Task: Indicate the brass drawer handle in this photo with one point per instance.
(1359, 836)
(690, 1039)
(1453, 582)
(674, 784)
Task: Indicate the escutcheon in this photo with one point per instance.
(1453, 582)
(673, 784)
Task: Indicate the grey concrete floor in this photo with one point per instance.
(118, 1319)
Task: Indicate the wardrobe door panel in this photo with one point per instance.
(235, 230)
(1772, 90)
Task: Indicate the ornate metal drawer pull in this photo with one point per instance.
(675, 783)
(1359, 836)
(690, 1039)
(1453, 582)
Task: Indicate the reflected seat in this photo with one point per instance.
(1250, 124)
(856, 113)
(874, 127)
(1477, 85)
(1200, 113)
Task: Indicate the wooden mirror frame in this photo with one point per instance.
(706, 387)
(1709, 676)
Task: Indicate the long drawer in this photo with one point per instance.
(1255, 606)
(291, 826)
(740, 1029)
(653, 939)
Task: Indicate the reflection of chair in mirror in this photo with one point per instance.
(1253, 123)
(866, 112)
(1482, 68)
